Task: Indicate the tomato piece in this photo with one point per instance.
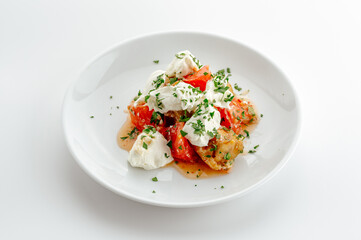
(240, 112)
(141, 116)
(181, 148)
(199, 78)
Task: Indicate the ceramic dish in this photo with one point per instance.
(94, 105)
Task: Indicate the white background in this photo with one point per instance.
(45, 195)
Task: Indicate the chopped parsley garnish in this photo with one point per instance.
(208, 156)
(184, 118)
(180, 147)
(185, 101)
(91, 116)
(214, 148)
(159, 101)
(144, 136)
(251, 151)
(155, 179)
(228, 70)
(173, 80)
(145, 146)
(222, 186)
(153, 191)
(229, 98)
(237, 88)
(183, 133)
(146, 98)
(156, 61)
(240, 136)
(123, 138)
(178, 56)
(261, 115)
(255, 147)
(196, 61)
(210, 134)
(137, 97)
(154, 118)
(169, 144)
(212, 114)
(243, 115)
(111, 97)
(221, 89)
(158, 82)
(198, 127)
(247, 133)
(175, 95)
(132, 133)
(166, 155)
(205, 73)
(227, 156)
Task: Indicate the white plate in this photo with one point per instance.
(123, 69)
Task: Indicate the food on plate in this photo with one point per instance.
(189, 116)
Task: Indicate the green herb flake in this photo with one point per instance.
(214, 148)
(227, 156)
(243, 115)
(155, 179)
(180, 147)
(208, 156)
(222, 186)
(123, 138)
(183, 133)
(91, 116)
(111, 97)
(166, 155)
(173, 80)
(247, 133)
(145, 146)
(205, 73)
(251, 151)
(237, 87)
(153, 191)
(261, 115)
(228, 70)
(176, 162)
(255, 147)
(169, 144)
(156, 61)
(146, 98)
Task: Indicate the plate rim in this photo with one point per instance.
(154, 202)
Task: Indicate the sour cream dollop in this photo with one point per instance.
(156, 80)
(150, 150)
(182, 96)
(203, 125)
(218, 93)
(182, 65)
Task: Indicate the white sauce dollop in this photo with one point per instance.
(200, 127)
(181, 65)
(182, 96)
(216, 97)
(156, 80)
(156, 154)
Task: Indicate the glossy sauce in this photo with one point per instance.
(196, 170)
(128, 143)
